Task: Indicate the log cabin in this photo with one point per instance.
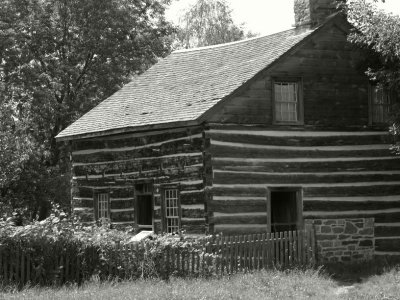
(272, 133)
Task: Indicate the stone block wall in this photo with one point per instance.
(343, 240)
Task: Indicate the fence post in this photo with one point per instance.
(299, 247)
(313, 246)
(290, 247)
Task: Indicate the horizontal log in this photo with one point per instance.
(239, 191)
(239, 219)
(194, 228)
(169, 148)
(106, 183)
(383, 231)
(233, 177)
(262, 138)
(122, 204)
(337, 206)
(389, 255)
(238, 206)
(193, 213)
(371, 164)
(350, 191)
(175, 173)
(188, 186)
(129, 140)
(231, 229)
(122, 216)
(125, 210)
(387, 244)
(192, 197)
(82, 202)
(193, 221)
(197, 213)
(387, 217)
(295, 130)
(354, 199)
(243, 152)
(138, 165)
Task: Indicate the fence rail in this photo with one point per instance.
(217, 255)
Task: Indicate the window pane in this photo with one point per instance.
(102, 206)
(380, 105)
(285, 99)
(171, 210)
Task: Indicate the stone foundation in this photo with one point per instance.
(343, 240)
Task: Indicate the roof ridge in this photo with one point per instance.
(230, 43)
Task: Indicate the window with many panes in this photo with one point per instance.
(287, 102)
(102, 206)
(380, 105)
(172, 210)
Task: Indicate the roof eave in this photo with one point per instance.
(131, 129)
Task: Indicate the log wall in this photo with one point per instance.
(343, 175)
(334, 87)
(116, 163)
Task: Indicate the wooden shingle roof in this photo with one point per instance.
(182, 87)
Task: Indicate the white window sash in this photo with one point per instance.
(171, 210)
(286, 99)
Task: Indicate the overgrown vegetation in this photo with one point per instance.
(259, 285)
(295, 284)
(59, 242)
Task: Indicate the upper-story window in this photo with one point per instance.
(287, 101)
(380, 103)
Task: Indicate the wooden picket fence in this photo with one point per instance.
(217, 255)
(232, 254)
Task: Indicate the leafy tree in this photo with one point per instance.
(209, 22)
(62, 57)
(58, 59)
(379, 32)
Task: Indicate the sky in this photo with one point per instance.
(263, 16)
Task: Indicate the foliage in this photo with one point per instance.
(379, 32)
(97, 250)
(15, 147)
(58, 59)
(209, 22)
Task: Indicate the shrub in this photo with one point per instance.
(60, 249)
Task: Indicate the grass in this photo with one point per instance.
(293, 284)
(382, 287)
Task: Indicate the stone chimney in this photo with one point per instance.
(313, 12)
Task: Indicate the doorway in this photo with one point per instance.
(144, 206)
(284, 210)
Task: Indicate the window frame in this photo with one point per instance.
(299, 204)
(371, 104)
(165, 218)
(300, 104)
(96, 195)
